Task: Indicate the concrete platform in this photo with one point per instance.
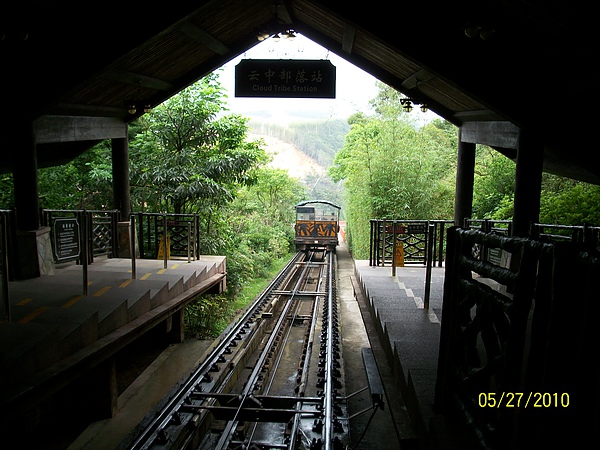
(409, 333)
(58, 330)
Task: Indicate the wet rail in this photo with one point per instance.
(274, 380)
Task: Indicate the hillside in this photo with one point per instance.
(289, 157)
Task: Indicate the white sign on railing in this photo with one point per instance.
(66, 239)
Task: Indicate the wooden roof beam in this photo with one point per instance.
(203, 37)
(136, 79)
(348, 38)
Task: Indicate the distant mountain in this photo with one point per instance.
(299, 165)
(287, 156)
(318, 139)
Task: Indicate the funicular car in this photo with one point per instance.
(317, 225)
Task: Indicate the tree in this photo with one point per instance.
(84, 183)
(393, 169)
(493, 185)
(569, 202)
(187, 158)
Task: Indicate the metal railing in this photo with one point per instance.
(179, 231)
(585, 234)
(409, 238)
(67, 234)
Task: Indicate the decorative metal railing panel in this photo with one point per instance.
(103, 226)
(181, 231)
(514, 347)
(406, 239)
(73, 229)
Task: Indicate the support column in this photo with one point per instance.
(465, 173)
(27, 261)
(175, 327)
(528, 183)
(25, 178)
(120, 172)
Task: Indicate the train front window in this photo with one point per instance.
(305, 213)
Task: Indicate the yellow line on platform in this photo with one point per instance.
(102, 291)
(24, 301)
(145, 276)
(161, 271)
(175, 266)
(126, 283)
(33, 315)
(72, 301)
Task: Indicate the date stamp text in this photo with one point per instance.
(523, 400)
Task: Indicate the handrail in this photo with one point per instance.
(586, 234)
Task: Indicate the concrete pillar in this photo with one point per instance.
(30, 236)
(528, 183)
(175, 327)
(465, 173)
(120, 171)
(25, 177)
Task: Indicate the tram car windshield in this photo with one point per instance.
(317, 225)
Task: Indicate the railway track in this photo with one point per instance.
(275, 379)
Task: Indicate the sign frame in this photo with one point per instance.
(67, 245)
(285, 78)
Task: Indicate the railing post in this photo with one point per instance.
(132, 249)
(4, 267)
(384, 243)
(431, 232)
(189, 230)
(84, 250)
(441, 248)
(394, 249)
(141, 233)
(371, 242)
(197, 236)
(165, 240)
(114, 221)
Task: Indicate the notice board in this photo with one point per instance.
(66, 239)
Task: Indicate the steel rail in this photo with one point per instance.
(304, 377)
(163, 417)
(328, 393)
(226, 436)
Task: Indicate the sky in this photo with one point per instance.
(354, 87)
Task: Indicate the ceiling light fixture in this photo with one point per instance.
(262, 35)
(407, 105)
(131, 108)
(485, 33)
(288, 34)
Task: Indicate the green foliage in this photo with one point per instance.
(569, 202)
(207, 316)
(6, 191)
(391, 169)
(260, 223)
(320, 140)
(493, 185)
(562, 201)
(185, 159)
(84, 183)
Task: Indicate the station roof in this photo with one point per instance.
(526, 63)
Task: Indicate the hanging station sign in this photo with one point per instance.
(293, 78)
